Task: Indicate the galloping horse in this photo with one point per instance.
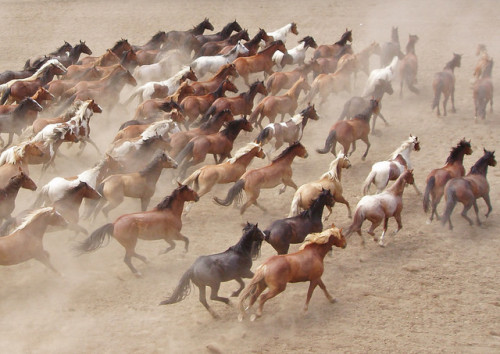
(384, 171)
(178, 37)
(213, 48)
(35, 63)
(482, 92)
(72, 56)
(284, 80)
(409, 66)
(252, 45)
(391, 49)
(386, 73)
(380, 207)
(277, 172)
(15, 157)
(301, 266)
(163, 222)
(281, 33)
(219, 36)
(483, 61)
(210, 85)
(325, 50)
(330, 180)
(469, 188)
(212, 270)
(15, 121)
(296, 55)
(437, 178)
(211, 64)
(444, 83)
(9, 193)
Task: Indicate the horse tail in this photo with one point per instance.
(96, 239)
(100, 188)
(295, 207)
(66, 104)
(41, 198)
(368, 181)
(252, 288)
(131, 98)
(451, 201)
(193, 179)
(330, 140)
(437, 94)
(234, 191)
(357, 221)
(182, 290)
(428, 188)
(188, 149)
(269, 83)
(208, 113)
(5, 96)
(265, 135)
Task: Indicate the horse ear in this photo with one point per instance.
(333, 225)
(179, 184)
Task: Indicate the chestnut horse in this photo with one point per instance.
(469, 188)
(277, 172)
(281, 33)
(301, 266)
(210, 85)
(408, 66)
(213, 48)
(281, 80)
(162, 222)
(9, 193)
(325, 50)
(444, 83)
(437, 178)
(483, 92)
(380, 207)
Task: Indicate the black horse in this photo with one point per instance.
(283, 232)
(211, 270)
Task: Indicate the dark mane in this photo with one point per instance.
(246, 245)
(345, 37)
(457, 150)
(270, 45)
(482, 163)
(213, 119)
(118, 44)
(168, 200)
(286, 151)
(75, 189)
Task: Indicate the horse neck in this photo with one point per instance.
(479, 168)
(450, 66)
(286, 159)
(410, 47)
(398, 187)
(36, 227)
(250, 94)
(246, 158)
(244, 245)
(317, 210)
(12, 188)
(378, 92)
(152, 173)
(294, 91)
(177, 206)
(458, 160)
(231, 133)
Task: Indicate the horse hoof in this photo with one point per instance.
(253, 317)
(428, 222)
(332, 300)
(240, 318)
(138, 275)
(381, 244)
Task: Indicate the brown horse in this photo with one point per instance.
(391, 49)
(162, 222)
(262, 61)
(177, 38)
(408, 66)
(213, 48)
(154, 43)
(325, 50)
(23, 115)
(40, 97)
(252, 45)
(9, 193)
(328, 65)
(281, 80)
(380, 207)
(483, 92)
(271, 106)
(469, 188)
(210, 85)
(277, 172)
(219, 36)
(107, 59)
(17, 157)
(437, 178)
(346, 132)
(301, 266)
(444, 83)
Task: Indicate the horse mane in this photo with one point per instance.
(213, 119)
(320, 238)
(156, 128)
(270, 45)
(477, 168)
(332, 171)
(32, 216)
(13, 154)
(343, 39)
(117, 44)
(74, 189)
(402, 148)
(285, 152)
(298, 118)
(242, 151)
(455, 152)
(157, 36)
(99, 60)
(168, 200)
(177, 76)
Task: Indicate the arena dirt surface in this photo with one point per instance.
(429, 290)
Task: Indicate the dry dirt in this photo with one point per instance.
(429, 290)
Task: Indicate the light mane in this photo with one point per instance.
(157, 128)
(320, 238)
(405, 145)
(241, 152)
(177, 76)
(13, 154)
(297, 119)
(32, 216)
(332, 172)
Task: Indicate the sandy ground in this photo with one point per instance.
(429, 290)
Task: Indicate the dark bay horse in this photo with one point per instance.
(437, 178)
(212, 270)
(408, 66)
(213, 48)
(483, 92)
(219, 36)
(18, 119)
(325, 50)
(468, 189)
(444, 83)
(281, 233)
(175, 38)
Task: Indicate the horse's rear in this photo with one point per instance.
(482, 94)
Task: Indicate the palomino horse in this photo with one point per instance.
(304, 265)
(211, 64)
(296, 55)
(330, 180)
(281, 233)
(326, 50)
(9, 193)
(380, 207)
(271, 106)
(220, 144)
(391, 49)
(219, 36)
(212, 270)
(16, 120)
(162, 222)
(469, 188)
(281, 33)
(483, 92)
(384, 171)
(15, 157)
(284, 80)
(210, 85)
(346, 132)
(437, 178)
(386, 73)
(141, 185)
(287, 132)
(409, 66)
(444, 83)
(25, 242)
(277, 172)
(260, 62)
(213, 48)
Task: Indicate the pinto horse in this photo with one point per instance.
(380, 207)
(277, 172)
(296, 55)
(409, 66)
(483, 92)
(468, 189)
(325, 50)
(301, 266)
(437, 178)
(162, 222)
(252, 45)
(444, 83)
(212, 270)
(346, 132)
(211, 64)
(9, 193)
(281, 33)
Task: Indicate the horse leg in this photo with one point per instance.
(78, 229)
(381, 241)
(273, 291)
(203, 300)
(367, 142)
(476, 209)
(170, 248)
(312, 286)
(141, 257)
(129, 252)
(342, 200)
(252, 197)
(287, 181)
(214, 294)
(445, 101)
(112, 203)
(44, 258)
(181, 237)
(327, 294)
(416, 189)
(242, 285)
(488, 203)
(144, 203)
(452, 94)
(466, 210)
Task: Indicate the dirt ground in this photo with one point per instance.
(429, 290)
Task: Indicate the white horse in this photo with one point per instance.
(173, 60)
(384, 171)
(211, 64)
(281, 33)
(386, 73)
(296, 55)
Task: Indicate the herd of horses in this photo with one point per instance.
(181, 79)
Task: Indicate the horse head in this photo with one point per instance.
(415, 142)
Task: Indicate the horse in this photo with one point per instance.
(387, 73)
(210, 85)
(219, 36)
(380, 207)
(346, 132)
(284, 80)
(154, 43)
(262, 61)
(384, 171)
(9, 193)
(212, 270)
(437, 178)
(301, 266)
(252, 45)
(15, 157)
(296, 55)
(281, 233)
(161, 128)
(356, 104)
(363, 58)
(444, 83)
(220, 144)
(203, 179)
(325, 50)
(179, 37)
(35, 63)
(213, 48)
(482, 92)
(330, 180)
(211, 64)
(163, 68)
(391, 49)
(40, 97)
(277, 172)
(15, 121)
(409, 66)
(271, 106)
(287, 132)
(162, 222)
(482, 63)
(468, 189)
(281, 33)
(141, 185)
(9, 75)
(328, 65)
(73, 55)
